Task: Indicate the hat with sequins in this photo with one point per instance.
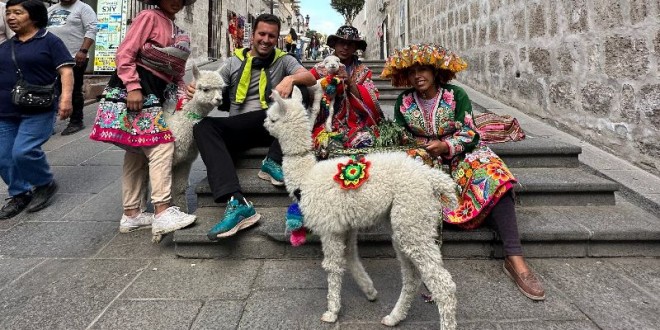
(435, 56)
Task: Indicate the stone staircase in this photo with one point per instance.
(564, 210)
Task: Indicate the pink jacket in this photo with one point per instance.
(149, 25)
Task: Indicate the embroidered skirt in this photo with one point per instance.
(145, 128)
(482, 178)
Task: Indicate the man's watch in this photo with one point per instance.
(84, 51)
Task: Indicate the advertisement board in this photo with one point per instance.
(111, 30)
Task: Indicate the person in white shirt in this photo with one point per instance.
(74, 22)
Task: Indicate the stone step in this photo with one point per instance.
(546, 232)
(537, 187)
(531, 152)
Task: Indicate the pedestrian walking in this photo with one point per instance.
(74, 22)
(38, 57)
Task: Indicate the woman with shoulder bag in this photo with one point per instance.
(151, 62)
(36, 57)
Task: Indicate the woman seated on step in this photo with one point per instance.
(437, 117)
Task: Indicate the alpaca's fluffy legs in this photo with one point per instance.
(334, 262)
(425, 255)
(180, 173)
(357, 269)
(411, 281)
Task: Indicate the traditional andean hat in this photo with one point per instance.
(422, 54)
(349, 34)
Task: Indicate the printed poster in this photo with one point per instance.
(111, 30)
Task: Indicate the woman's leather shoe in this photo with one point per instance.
(527, 282)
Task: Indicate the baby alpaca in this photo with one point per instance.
(393, 188)
(327, 88)
(208, 95)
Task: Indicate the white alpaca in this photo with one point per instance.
(333, 66)
(208, 95)
(398, 188)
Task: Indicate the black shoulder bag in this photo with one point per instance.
(28, 97)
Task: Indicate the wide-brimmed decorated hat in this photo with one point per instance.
(422, 54)
(155, 2)
(349, 34)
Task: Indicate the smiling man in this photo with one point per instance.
(251, 74)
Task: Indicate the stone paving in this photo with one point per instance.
(67, 267)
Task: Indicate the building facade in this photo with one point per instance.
(588, 66)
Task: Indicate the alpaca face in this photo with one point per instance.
(287, 117)
(332, 64)
(209, 85)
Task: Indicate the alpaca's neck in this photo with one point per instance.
(296, 167)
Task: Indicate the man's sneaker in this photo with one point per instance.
(138, 221)
(42, 196)
(271, 171)
(73, 128)
(170, 220)
(15, 205)
(237, 216)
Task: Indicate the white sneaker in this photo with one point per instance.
(139, 221)
(170, 220)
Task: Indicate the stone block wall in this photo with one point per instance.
(588, 66)
(194, 20)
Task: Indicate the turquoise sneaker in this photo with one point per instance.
(237, 216)
(271, 171)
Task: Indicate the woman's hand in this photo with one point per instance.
(134, 100)
(190, 90)
(65, 108)
(437, 148)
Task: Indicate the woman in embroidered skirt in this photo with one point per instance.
(438, 116)
(150, 67)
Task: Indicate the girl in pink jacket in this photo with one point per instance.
(150, 63)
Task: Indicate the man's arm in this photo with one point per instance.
(81, 55)
(300, 77)
(89, 22)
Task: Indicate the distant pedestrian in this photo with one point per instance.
(41, 57)
(314, 47)
(299, 48)
(74, 22)
(151, 62)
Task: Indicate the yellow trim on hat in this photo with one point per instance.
(421, 54)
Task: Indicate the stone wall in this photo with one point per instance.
(198, 22)
(588, 66)
(194, 20)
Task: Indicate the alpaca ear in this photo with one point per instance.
(296, 94)
(195, 71)
(275, 95)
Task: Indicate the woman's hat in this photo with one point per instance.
(155, 2)
(349, 34)
(422, 54)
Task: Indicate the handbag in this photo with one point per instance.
(28, 97)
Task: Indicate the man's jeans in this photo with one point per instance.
(23, 163)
